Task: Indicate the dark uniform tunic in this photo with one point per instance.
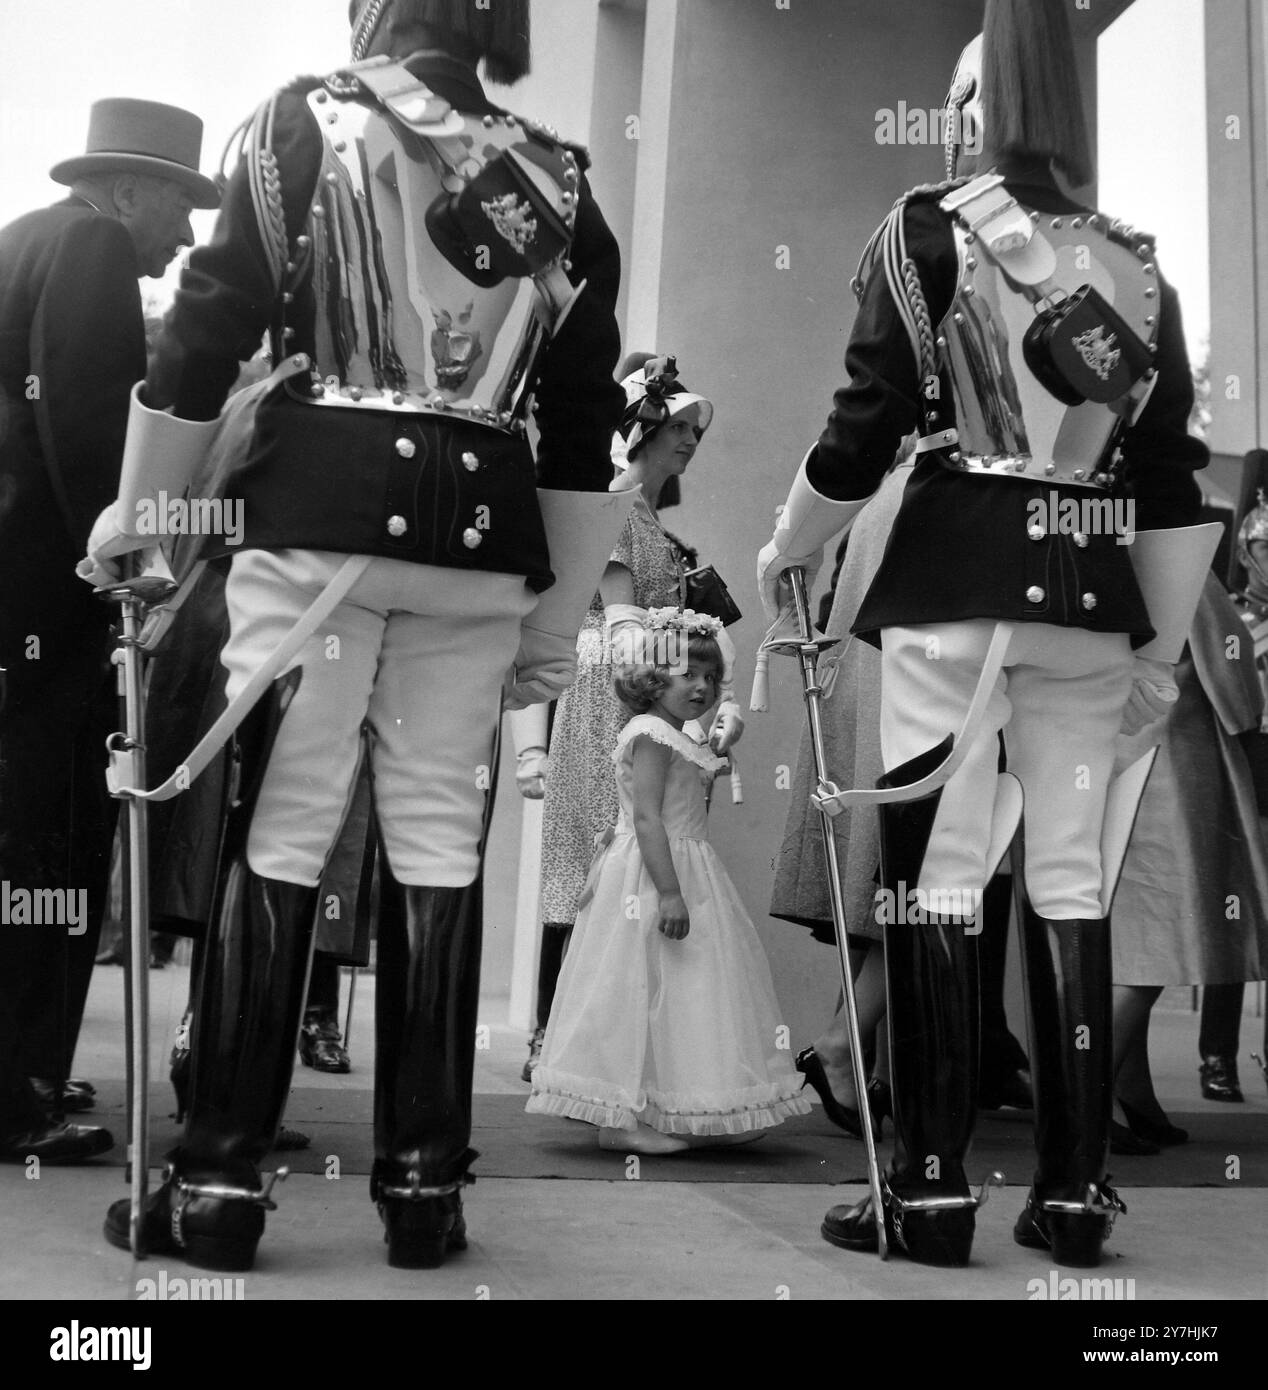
(330, 479)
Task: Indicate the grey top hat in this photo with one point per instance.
(142, 137)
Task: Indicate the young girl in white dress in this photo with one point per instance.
(665, 1031)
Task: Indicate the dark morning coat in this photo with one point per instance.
(959, 548)
(72, 343)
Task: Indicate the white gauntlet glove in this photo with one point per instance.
(1153, 696)
(106, 543)
(625, 628)
(806, 523)
(528, 734)
(545, 667)
(727, 728)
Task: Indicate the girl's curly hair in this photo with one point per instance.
(640, 685)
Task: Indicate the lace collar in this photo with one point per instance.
(659, 732)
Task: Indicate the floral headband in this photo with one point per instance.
(684, 620)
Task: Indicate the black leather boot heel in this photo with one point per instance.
(937, 1237)
(420, 1231)
(1074, 1232)
(232, 1254)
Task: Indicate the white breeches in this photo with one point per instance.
(1059, 702)
(420, 652)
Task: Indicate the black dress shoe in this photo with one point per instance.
(1156, 1131)
(1126, 1142)
(77, 1095)
(1009, 1090)
(321, 1045)
(1219, 1079)
(57, 1144)
(288, 1140)
(534, 1054)
(880, 1101)
(211, 1224)
(854, 1228)
(1073, 1231)
(809, 1065)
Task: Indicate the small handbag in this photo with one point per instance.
(1081, 350)
(704, 591)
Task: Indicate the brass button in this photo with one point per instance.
(1080, 539)
(1036, 532)
(396, 526)
(1049, 469)
(1089, 601)
(470, 462)
(406, 448)
(1034, 594)
(471, 538)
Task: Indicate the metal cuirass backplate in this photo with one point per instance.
(1006, 419)
(397, 326)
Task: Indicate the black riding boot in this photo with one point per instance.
(1071, 1207)
(427, 994)
(210, 1210)
(931, 977)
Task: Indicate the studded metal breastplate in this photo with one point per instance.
(397, 326)
(1007, 422)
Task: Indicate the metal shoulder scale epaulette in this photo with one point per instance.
(436, 249)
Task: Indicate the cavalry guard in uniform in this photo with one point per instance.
(1037, 350)
(431, 270)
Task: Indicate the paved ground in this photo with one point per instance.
(543, 1239)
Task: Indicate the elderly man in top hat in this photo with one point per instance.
(72, 343)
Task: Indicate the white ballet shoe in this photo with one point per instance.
(643, 1140)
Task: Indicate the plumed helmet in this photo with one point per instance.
(1016, 88)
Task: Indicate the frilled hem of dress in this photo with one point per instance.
(738, 1112)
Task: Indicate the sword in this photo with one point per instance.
(807, 650)
(127, 760)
